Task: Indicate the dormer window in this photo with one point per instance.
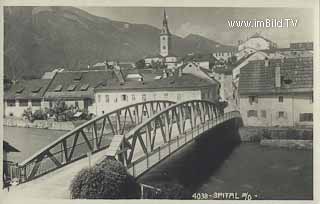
(36, 90)
(84, 87)
(72, 87)
(19, 90)
(78, 77)
(58, 88)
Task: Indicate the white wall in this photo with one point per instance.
(18, 110)
(116, 102)
(256, 43)
(292, 105)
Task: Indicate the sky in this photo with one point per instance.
(213, 22)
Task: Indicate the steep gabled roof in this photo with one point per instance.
(78, 84)
(27, 89)
(258, 79)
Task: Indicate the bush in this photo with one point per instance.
(171, 191)
(108, 180)
(39, 115)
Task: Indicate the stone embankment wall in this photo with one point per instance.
(289, 137)
(42, 124)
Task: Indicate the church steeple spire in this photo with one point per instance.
(165, 37)
(165, 28)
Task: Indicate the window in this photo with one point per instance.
(163, 38)
(163, 47)
(252, 113)
(311, 99)
(306, 117)
(263, 114)
(179, 97)
(253, 99)
(36, 102)
(280, 99)
(106, 98)
(144, 97)
(133, 97)
(23, 102)
(11, 103)
(165, 95)
(124, 97)
(281, 114)
(116, 100)
(99, 98)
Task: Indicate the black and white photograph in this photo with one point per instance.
(159, 102)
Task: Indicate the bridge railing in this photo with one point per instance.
(169, 130)
(92, 136)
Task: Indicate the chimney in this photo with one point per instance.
(277, 76)
(106, 66)
(180, 72)
(266, 62)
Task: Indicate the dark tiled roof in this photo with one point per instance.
(242, 59)
(225, 49)
(257, 79)
(84, 82)
(199, 58)
(8, 147)
(27, 89)
(186, 81)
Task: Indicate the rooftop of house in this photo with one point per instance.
(185, 81)
(7, 147)
(198, 57)
(258, 77)
(27, 89)
(224, 49)
(78, 84)
(258, 35)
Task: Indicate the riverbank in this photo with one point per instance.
(42, 124)
(288, 137)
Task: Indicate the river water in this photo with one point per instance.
(209, 167)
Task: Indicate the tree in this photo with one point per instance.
(140, 64)
(107, 180)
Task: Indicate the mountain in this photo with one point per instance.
(39, 39)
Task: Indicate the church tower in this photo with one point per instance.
(165, 37)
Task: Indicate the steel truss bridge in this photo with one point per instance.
(139, 136)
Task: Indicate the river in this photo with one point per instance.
(209, 167)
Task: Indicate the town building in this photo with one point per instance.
(224, 52)
(8, 164)
(254, 43)
(76, 88)
(277, 92)
(25, 94)
(178, 87)
(224, 76)
(203, 60)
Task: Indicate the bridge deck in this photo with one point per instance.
(53, 185)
